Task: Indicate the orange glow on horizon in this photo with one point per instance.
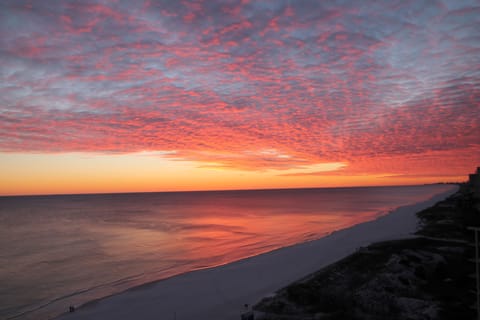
(291, 94)
(28, 174)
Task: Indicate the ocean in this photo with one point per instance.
(57, 251)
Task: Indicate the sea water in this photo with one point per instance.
(57, 251)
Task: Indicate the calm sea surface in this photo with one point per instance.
(57, 251)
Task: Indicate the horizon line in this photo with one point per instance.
(219, 190)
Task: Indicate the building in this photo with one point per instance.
(474, 182)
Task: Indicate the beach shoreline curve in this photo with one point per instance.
(221, 291)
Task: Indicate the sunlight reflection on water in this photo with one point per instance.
(62, 250)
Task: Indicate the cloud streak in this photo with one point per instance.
(383, 86)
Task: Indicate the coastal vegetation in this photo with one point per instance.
(428, 276)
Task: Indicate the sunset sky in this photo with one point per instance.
(118, 96)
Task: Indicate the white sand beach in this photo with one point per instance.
(221, 292)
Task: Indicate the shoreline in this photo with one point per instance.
(422, 277)
(222, 291)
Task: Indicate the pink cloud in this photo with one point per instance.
(379, 88)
